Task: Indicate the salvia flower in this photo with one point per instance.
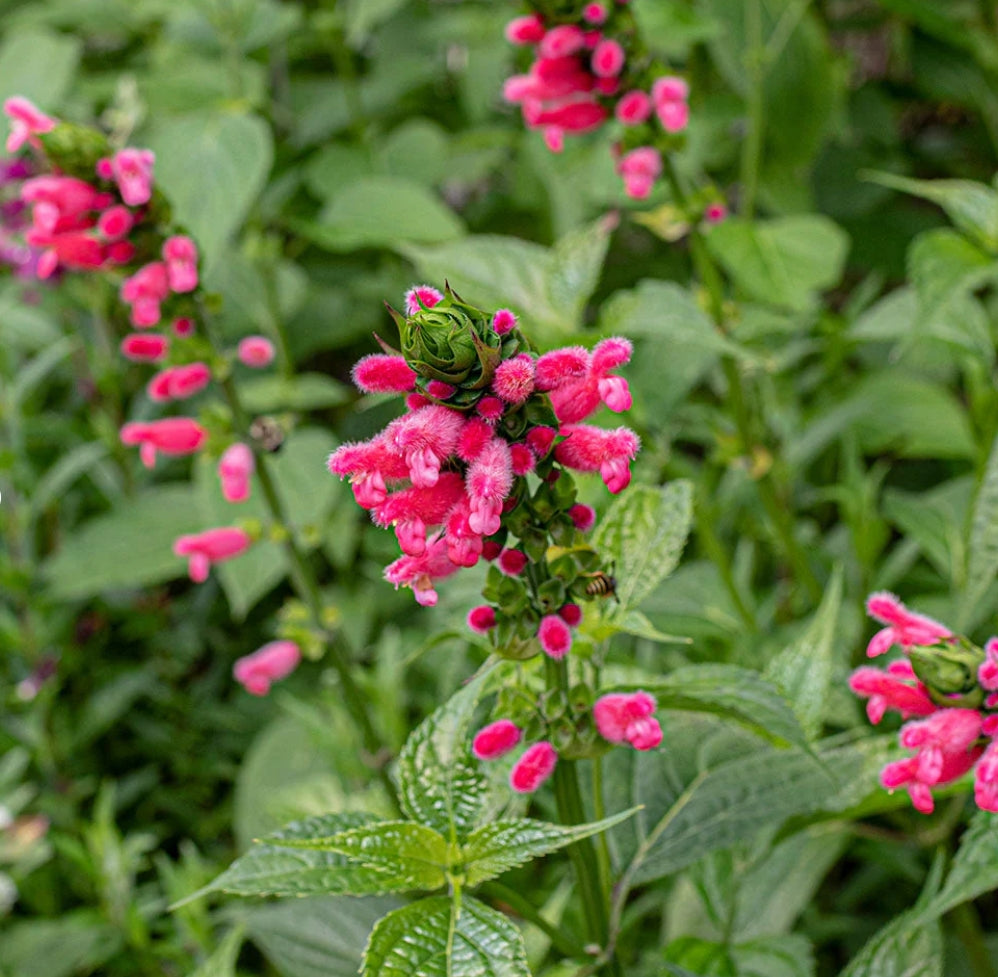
(211, 546)
(533, 768)
(27, 122)
(628, 718)
(266, 665)
(170, 436)
(555, 636)
(235, 468)
(904, 627)
(132, 169)
(496, 739)
(255, 351)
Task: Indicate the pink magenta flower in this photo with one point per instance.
(583, 516)
(525, 30)
(608, 59)
(482, 619)
(633, 108)
(422, 296)
(489, 481)
(369, 464)
(512, 562)
(144, 292)
(421, 572)
(491, 409)
(439, 389)
(503, 321)
(179, 382)
(266, 665)
(425, 438)
(115, 222)
(715, 213)
(987, 674)
(571, 614)
(627, 717)
(255, 351)
(594, 13)
(234, 470)
(523, 460)
(475, 435)
(132, 171)
(896, 689)
(211, 546)
(181, 256)
(639, 169)
(533, 768)
(540, 439)
(381, 373)
(144, 348)
(904, 627)
(464, 545)
(554, 138)
(513, 380)
(555, 636)
(171, 436)
(610, 452)
(411, 511)
(986, 780)
(562, 41)
(26, 123)
(183, 327)
(580, 115)
(496, 739)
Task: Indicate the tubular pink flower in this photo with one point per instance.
(115, 222)
(144, 348)
(627, 717)
(583, 516)
(71, 250)
(482, 619)
(674, 116)
(132, 171)
(172, 436)
(945, 731)
(464, 545)
(62, 203)
(633, 108)
(639, 169)
(381, 373)
(525, 30)
(522, 459)
(513, 380)
(412, 510)
(179, 382)
(211, 546)
(369, 464)
(235, 468)
(496, 739)
(439, 389)
(561, 365)
(540, 439)
(516, 88)
(26, 123)
(608, 59)
(533, 768)
(589, 449)
(488, 481)
(898, 690)
(491, 409)
(555, 636)
(255, 351)
(562, 41)
(266, 665)
(582, 114)
(571, 614)
(144, 291)
(503, 321)
(425, 438)
(905, 773)
(420, 572)
(554, 138)
(512, 562)
(120, 252)
(670, 88)
(904, 627)
(181, 256)
(987, 674)
(594, 13)
(475, 435)
(986, 780)
(421, 296)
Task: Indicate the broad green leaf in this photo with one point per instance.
(804, 670)
(982, 540)
(222, 963)
(382, 211)
(77, 941)
(943, 265)
(38, 64)
(71, 466)
(211, 166)
(297, 936)
(497, 847)
(441, 784)
(413, 856)
(271, 869)
(973, 207)
(784, 261)
(643, 534)
(577, 261)
(910, 946)
(127, 548)
(734, 693)
(606, 621)
(305, 391)
(789, 955)
(974, 871)
(423, 938)
(361, 17)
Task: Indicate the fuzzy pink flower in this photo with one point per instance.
(440, 390)
(115, 222)
(555, 636)
(633, 108)
(987, 674)
(171, 436)
(525, 30)
(234, 470)
(132, 171)
(26, 123)
(571, 614)
(496, 739)
(512, 562)
(896, 689)
(523, 460)
(181, 256)
(381, 373)
(513, 380)
(482, 619)
(594, 13)
(211, 546)
(369, 464)
(540, 439)
(421, 296)
(503, 321)
(411, 511)
(986, 780)
(489, 480)
(425, 438)
(610, 452)
(562, 41)
(475, 435)
(179, 382)
(627, 717)
(491, 409)
(266, 665)
(904, 627)
(583, 517)
(533, 768)
(255, 351)
(464, 545)
(144, 292)
(639, 169)
(608, 59)
(144, 348)
(420, 572)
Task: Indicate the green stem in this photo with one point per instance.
(524, 909)
(752, 146)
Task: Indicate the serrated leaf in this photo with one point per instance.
(495, 848)
(222, 963)
(423, 938)
(804, 670)
(982, 540)
(975, 869)
(412, 855)
(643, 534)
(910, 946)
(606, 623)
(943, 265)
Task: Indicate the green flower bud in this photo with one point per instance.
(949, 670)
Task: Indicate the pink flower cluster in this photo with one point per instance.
(948, 740)
(266, 665)
(586, 70)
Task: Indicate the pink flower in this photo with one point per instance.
(489, 480)
(440, 390)
(533, 768)
(421, 296)
(583, 517)
(145, 291)
(608, 59)
(540, 439)
(179, 382)
(715, 213)
(425, 438)
(670, 89)
(555, 636)
(475, 435)
(513, 380)
(562, 41)
(639, 169)
(27, 122)
(172, 436)
(62, 203)
(503, 321)
(144, 348)
(181, 256)
(554, 138)
(577, 115)
(464, 545)
(594, 13)
(411, 511)
(496, 739)
(512, 562)
(234, 470)
(571, 614)
(987, 674)
(491, 409)
(986, 780)
(903, 626)
(525, 30)
(183, 327)
(897, 689)
(522, 458)
(211, 546)
(482, 619)
(610, 452)
(268, 664)
(420, 572)
(627, 717)
(132, 171)
(633, 108)
(670, 96)
(369, 464)
(115, 222)
(255, 351)
(380, 373)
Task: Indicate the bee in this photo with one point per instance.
(601, 585)
(268, 433)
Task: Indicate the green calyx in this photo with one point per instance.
(949, 671)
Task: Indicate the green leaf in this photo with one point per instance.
(441, 784)
(974, 871)
(38, 64)
(734, 693)
(910, 946)
(211, 166)
(128, 548)
(70, 466)
(943, 265)
(804, 670)
(361, 17)
(424, 938)
(413, 856)
(643, 534)
(788, 955)
(80, 940)
(222, 963)
(576, 263)
(785, 261)
(973, 207)
(304, 391)
(495, 848)
(982, 540)
(382, 211)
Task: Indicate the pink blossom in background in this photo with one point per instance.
(627, 717)
(181, 256)
(715, 213)
(525, 30)
(27, 122)
(608, 59)
(256, 352)
(533, 768)
(132, 171)
(144, 347)
(904, 627)
(266, 665)
(145, 291)
(183, 327)
(594, 13)
(512, 562)
(209, 547)
(482, 619)
(115, 222)
(897, 689)
(555, 636)
(634, 108)
(571, 614)
(235, 468)
(583, 517)
(496, 740)
(639, 169)
(171, 436)
(179, 382)
(562, 41)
